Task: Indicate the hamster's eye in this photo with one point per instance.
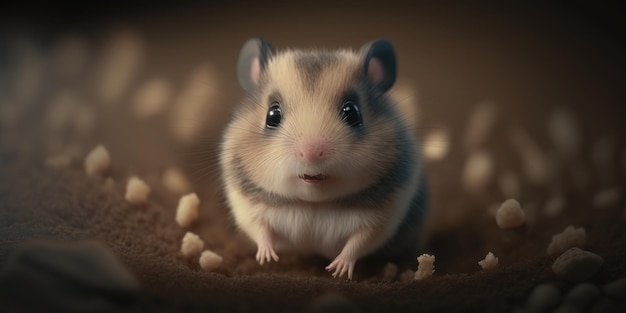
(351, 114)
(273, 116)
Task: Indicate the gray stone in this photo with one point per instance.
(604, 305)
(577, 265)
(616, 289)
(568, 308)
(583, 295)
(543, 298)
(66, 277)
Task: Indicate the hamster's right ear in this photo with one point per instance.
(253, 58)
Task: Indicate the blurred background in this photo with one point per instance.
(510, 100)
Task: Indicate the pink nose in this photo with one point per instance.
(313, 150)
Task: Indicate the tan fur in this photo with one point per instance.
(310, 223)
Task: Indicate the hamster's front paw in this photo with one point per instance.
(265, 253)
(342, 265)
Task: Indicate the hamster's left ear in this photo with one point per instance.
(379, 64)
(253, 58)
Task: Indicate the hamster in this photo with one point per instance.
(316, 158)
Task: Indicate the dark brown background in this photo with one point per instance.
(527, 58)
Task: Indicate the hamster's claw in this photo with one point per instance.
(341, 267)
(266, 254)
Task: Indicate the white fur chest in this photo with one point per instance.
(320, 229)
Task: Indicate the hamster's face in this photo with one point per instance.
(314, 130)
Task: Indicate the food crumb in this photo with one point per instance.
(192, 245)
(407, 275)
(210, 260)
(510, 214)
(109, 186)
(554, 205)
(570, 238)
(97, 161)
(607, 197)
(187, 211)
(480, 124)
(534, 161)
(564, 131)
(436, 145)
(390, 271)
(175, 181)
(137, 191)
(425, 266)
(478, 171)
(58, 161)
(151, 98)
(490, 261)
(190, 103)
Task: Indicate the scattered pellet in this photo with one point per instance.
(407, 275)
(137, 191)
(97, 161)
(110, 186)
(490, 261)
(607, 198)
(58, 161)
(192, 245)
(509, 184)
(191, 104)
(425, 266)
(510, 214)
(554, 205)
(564, 131)
(534, 161)
(389, 272)
(74, 151)
(616, 289)
(405, 95)
(478, 171)
(121, 59)
(209, 260)
(577, 265)
(187, 211)
(436, 144)
(480, 124)
(570, 237)
(582, 295)
(543, 298)
(175, 181)
(151, 98)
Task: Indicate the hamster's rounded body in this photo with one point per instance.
(317, 159)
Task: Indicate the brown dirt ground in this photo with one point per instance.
(527, 59)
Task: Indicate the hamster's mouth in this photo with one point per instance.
(313, 179)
